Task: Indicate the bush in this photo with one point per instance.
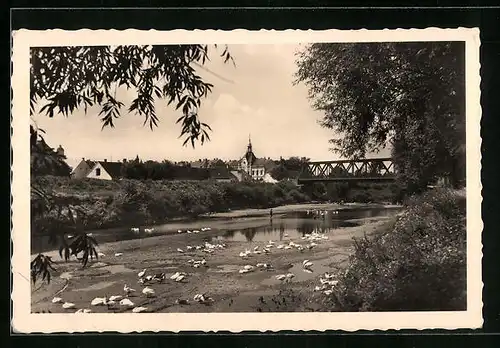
(418, 263)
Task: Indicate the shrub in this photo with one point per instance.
(418, 263)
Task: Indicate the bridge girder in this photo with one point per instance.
(374, 169)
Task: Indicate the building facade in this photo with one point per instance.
(103, 170)
(82, 169)
(251, 165)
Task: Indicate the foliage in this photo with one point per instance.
(68, 78)
(44, 160)
(164, 170)
(417, 263)
(288, 168)
(41, 266)
(408, 95)
(54, 214)
(85, 244)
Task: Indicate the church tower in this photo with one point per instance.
(250, 157)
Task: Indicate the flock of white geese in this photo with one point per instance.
(124, 301)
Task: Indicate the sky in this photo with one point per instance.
(255, 98)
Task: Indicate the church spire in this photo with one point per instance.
(249, 143)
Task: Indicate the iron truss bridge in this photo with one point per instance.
(374, 169)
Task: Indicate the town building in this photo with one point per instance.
(104, 170)
(82, 169)
(255, 167)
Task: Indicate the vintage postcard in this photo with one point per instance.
(246, 180)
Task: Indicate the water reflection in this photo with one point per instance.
(299, 224)
(281, 229)
(278, 228)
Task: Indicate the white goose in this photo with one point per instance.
(247, 269)
(99, 301)
(115, 297)
(68, 305)
(306, 264)
(57, 300)
(180, 250)
(281, 276)
(178, 276)
(148, 291)
(128, 290)
(139, 309)
(126, 302)
(83, 311)
(142, 273)
(203, 299)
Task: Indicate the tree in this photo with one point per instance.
(280, 172)
(63, 79)
(67, 78)
(408, 95)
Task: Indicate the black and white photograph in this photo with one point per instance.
(289, 180)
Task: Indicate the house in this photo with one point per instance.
(105, 170)
(221, 174)
(82, 169)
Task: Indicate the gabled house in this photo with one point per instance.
(82, 169)
(105, 170)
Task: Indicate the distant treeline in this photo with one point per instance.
(165, 170)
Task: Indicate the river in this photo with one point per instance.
(250, 227)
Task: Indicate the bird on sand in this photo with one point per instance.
(126, 302)
(128, 290)
(148, 291)
(68, 305)
(139, 309)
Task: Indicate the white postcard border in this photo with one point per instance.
(24, 321)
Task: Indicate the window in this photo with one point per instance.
(98, 172)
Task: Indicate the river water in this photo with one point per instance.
(247, 229)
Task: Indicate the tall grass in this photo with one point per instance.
(418, 263)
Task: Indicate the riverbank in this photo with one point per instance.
(297, 207)
(231, 291)
(108, 204)
(412, 261)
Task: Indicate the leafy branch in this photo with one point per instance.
(64, 79)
